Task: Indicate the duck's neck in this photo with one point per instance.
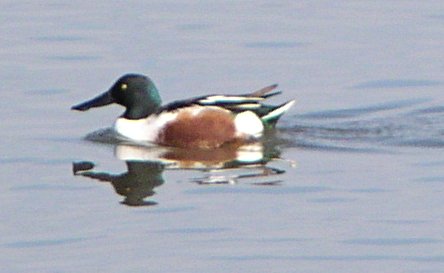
(140, 111)
(144, 106)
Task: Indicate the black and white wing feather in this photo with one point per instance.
(239, 103)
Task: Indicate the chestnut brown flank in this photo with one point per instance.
(210, 128)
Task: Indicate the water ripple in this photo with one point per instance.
(44, 243)
(342, 258)
(391, 241)
(374, 128)
(274, 45)
(355, 112)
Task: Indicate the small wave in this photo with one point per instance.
(361, 111)
(369, 129)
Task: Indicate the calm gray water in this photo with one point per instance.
(358, 185)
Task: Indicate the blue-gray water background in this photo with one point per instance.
(367, 136)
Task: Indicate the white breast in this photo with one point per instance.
(146, 129)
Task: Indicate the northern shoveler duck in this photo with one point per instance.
(202, 122)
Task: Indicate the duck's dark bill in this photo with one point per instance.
(101, 100)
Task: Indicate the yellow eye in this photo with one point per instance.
(124, 86)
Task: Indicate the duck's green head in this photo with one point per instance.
(137, 93)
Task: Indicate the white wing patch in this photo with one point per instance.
(248, 123)
(247, 106)
(221, 99)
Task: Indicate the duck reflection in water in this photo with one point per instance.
(145, 166)
(135, 185)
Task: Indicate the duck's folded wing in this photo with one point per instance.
(237, 103)
(243, 102)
